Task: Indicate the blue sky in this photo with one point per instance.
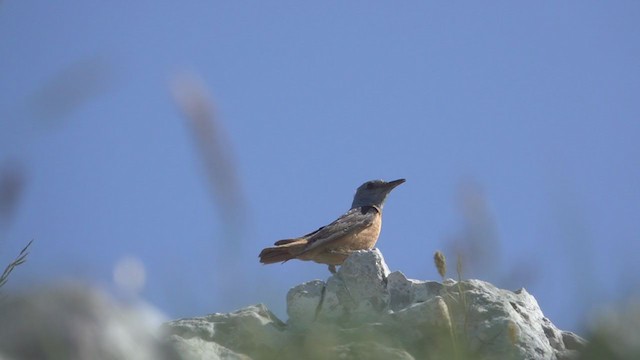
(515, 125)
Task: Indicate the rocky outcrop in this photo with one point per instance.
(366, 312)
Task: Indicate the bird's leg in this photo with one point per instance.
(332, 269)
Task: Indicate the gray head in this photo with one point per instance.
(374, 192)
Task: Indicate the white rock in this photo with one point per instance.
(251, 330)
(369, 351)
(303, 301)
(364, 311)
(404, 292)
(196, 348)
(358, 290)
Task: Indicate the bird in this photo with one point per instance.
(357, 229)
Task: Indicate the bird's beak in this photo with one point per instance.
(394, 183)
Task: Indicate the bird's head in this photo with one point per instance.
(374, 192)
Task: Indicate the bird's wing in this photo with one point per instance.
(353, 220)
(288, 241)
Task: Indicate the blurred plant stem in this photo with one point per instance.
(21, 259)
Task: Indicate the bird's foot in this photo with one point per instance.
(332, 269)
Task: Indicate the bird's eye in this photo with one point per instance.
(369, 185)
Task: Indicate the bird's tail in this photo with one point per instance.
(283, 251)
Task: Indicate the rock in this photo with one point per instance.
(198, 348)
(404, 292)
(368, 350)
(357, 292)
(364, 311)
(304, 301)
(253, 330)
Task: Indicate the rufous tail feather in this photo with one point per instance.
(285, 250)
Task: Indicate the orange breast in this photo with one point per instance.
(367, 238)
